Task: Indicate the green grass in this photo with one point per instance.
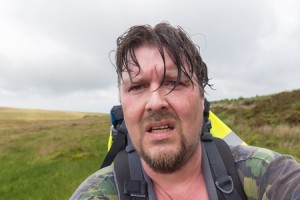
(48, 159)
(47, 154)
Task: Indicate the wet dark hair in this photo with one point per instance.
(174, 40)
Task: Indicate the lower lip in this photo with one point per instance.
(160, 135)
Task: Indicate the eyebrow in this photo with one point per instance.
(171, 72)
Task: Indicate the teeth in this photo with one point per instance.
(159, 129)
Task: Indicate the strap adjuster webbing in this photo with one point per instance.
(135, 188)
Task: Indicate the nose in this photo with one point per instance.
(156, 100)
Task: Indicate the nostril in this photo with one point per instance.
(156, 100)
(155, 109)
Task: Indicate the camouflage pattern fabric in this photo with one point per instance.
(100, 185)
(265, 175)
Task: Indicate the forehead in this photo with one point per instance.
(148, 59)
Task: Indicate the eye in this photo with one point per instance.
(173, 83)
(136, 88)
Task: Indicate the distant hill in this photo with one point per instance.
(275, 109)
(8, 113)
(271, 121)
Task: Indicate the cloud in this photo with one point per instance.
(56, 54)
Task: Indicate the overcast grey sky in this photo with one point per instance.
(54, 54)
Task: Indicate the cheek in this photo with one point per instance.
(190, 106)
(132, 121)
(132, 115)
(191, 114)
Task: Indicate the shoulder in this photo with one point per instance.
(266, 174)
(100, 185)
(249, 153)
(252, 162)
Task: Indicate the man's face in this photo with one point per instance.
(164, 127)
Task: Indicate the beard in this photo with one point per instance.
(167, 161)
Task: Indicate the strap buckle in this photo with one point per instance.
(225, 184)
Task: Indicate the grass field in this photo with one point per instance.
(47, 154)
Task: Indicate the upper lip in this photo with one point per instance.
(159, 124)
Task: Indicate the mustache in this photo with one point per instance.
(157, 116)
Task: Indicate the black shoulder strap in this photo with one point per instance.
(121, 172)
(128, 171)
(227, 183)
(131, 184)
(230, 165)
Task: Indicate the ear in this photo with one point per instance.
(203, 101)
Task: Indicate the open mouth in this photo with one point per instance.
(160, 129)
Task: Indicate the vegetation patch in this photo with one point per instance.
(268, 121)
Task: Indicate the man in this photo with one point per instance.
(161, 79)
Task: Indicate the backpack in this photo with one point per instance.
(130, 181)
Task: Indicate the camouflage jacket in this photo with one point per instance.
(264, 174)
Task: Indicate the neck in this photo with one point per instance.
(185, 182)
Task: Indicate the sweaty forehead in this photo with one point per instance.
(149, 60)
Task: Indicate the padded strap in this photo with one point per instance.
(129, 176)
(230, 165)
(128, 188)
(121, 173)
(223, 181)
